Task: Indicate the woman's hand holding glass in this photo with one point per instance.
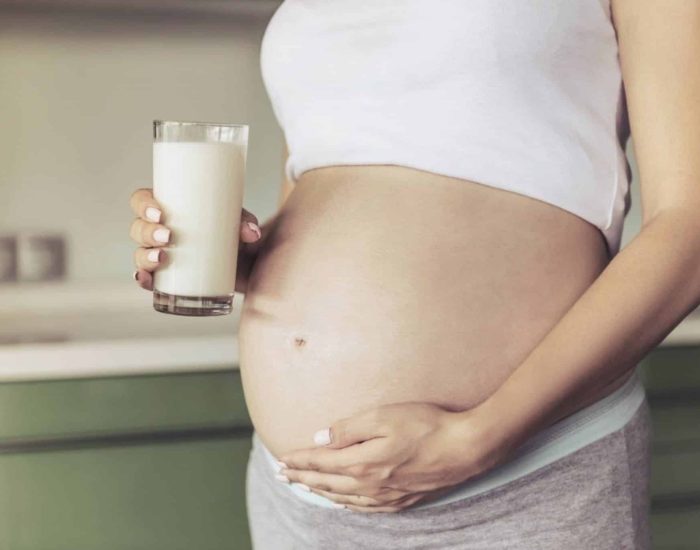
(152, 236)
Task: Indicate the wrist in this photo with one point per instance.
(492, 430)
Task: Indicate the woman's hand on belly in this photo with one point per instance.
(390, 457)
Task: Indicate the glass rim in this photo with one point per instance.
(198, 123)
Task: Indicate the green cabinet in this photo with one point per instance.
(55, 408)
(144, 462)
(176, 496)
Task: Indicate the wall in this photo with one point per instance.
(78, 93)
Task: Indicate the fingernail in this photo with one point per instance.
(136, 275)
(253, 227)
(281, 464)
(304, 487)
(161, 235)
(153, 214)
(281, 477)
(337, 505)
(153, 255)
(322, 437)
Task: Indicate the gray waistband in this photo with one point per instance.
(553, 443)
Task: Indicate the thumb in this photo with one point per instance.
(250, 227)
(346, 432)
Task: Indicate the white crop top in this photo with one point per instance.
(521, 96)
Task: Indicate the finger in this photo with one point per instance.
(357, 500)
(250, 227)
(149, 234)
(333, 461)
(341, 485)
(145, 206)
(397, 507)
(144, 279)
(148, 258)
(250, 230)
(328, 482)
(390, 498)
(372, 509)
(353, 429)
(248, 216)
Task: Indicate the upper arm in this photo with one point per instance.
(287, 186)
(659, 46)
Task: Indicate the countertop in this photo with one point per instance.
(87, 329)
(75, 330)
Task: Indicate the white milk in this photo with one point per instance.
(200, 189)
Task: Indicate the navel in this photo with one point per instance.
(297, 341)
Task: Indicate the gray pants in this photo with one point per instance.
(595, 498)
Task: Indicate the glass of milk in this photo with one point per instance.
(198, 180)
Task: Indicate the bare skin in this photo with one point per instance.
(381, 284)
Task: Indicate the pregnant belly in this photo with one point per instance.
(380, 284)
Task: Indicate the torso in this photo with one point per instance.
(381, 284)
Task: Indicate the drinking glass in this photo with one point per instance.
(198, 180)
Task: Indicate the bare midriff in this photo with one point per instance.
(382, 284)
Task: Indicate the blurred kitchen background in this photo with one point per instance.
(122, 428)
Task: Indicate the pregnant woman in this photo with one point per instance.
(440, 332)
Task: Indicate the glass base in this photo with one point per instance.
(193, 306)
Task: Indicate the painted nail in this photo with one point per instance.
(161, 235)
(135, 275)
(153, 214)
(253, 227)
(281, 477)
(322, 437)
(153, 255)
(304, 487)
(337, 505)
(281, 464)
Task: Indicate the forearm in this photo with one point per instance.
(645, 291)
